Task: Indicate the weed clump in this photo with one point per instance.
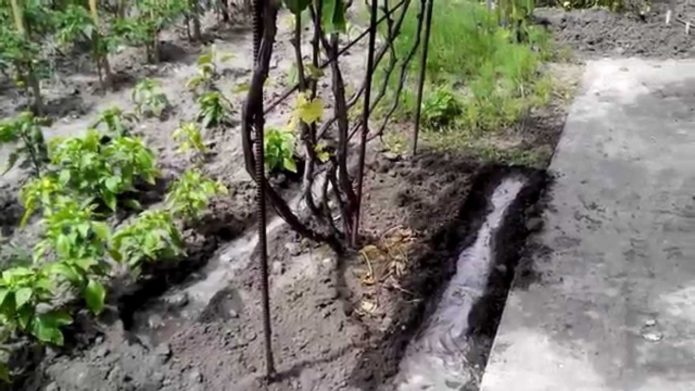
(480, 77)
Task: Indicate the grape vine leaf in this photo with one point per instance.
(309, 110)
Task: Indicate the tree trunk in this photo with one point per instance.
(120, 9)
(195, 19)
(35, 87)
(18, 15)
(31, 79)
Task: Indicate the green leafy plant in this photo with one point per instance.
(440, 109)
(205, 74)
(496, 77)
(148, 98)
(115, 122)
(41, 192)
(22, 291)
(136, 32)
(151, 17)
(103, 172)
(613, 5)
(191, 193)
(152, 236)
(77, 23)
(72, 233)
(189, 138)
(25, 130)
(279, 150)
(24, 56)
(79, 244)
(214, 109)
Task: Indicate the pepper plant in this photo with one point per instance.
(190, 194)
(103, 172)
(115, 122)
(21, 50)
(39, 193)
(206, 72)
(214, 109)
(151, 18)
(152, 236)
(75, 24)
(79, 243)
(25, 131)
(190, 139)
(22, 291)
(149, 99)
(279, 150)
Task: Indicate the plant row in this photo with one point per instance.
(28, 27)
(79, 183)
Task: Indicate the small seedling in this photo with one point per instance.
(279, 151)
(115, 122)
(205, 74)
(440, 109)
(191, 193)
(149, 99)
(214, 109)
(189, 138)
(31, 150)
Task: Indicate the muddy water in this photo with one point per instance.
(159, 320)
(437, 358)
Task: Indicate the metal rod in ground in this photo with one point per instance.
(259, 122)
(423, 69)
(257, 26)
(365, 122)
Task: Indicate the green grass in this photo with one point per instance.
(494, 79)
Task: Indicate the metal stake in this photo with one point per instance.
(365, 121)
(423, 68)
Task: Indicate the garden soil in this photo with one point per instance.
(339, 322)
(600, 33)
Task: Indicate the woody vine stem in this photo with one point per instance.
(332, 186)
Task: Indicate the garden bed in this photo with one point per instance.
(340, 322)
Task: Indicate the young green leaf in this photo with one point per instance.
(148, 98)
(333, 16)
(94, 294)
(279, 150)
(25, 130)
(46, 327)
(22, 296)
(152, 236)
(190, 194)
(308, 110)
